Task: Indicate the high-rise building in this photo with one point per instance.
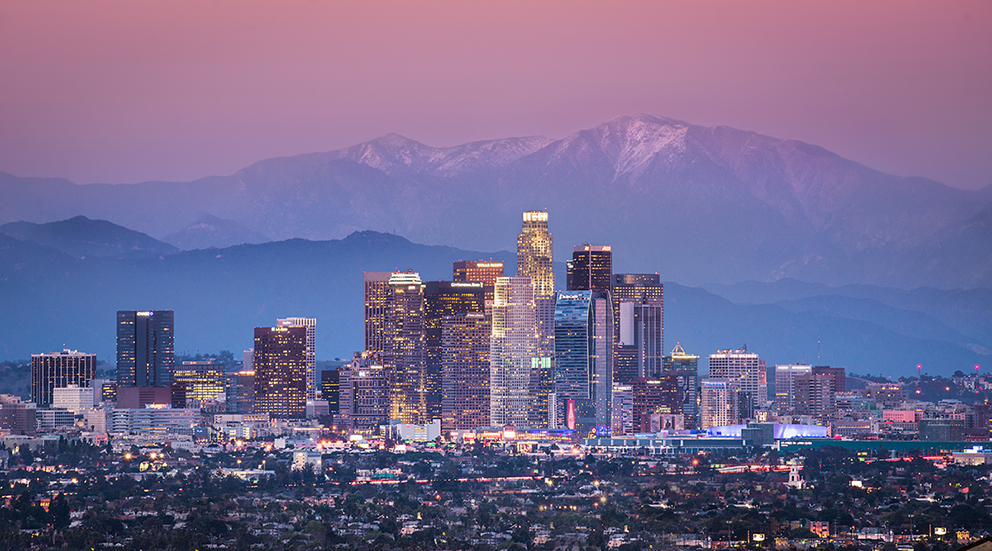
(480, 271)
(59, 370)
(17, 416)
(654, 395)
(203, 381)
(376, 295)
(838, 373)
(465, 365)
(364, 394)
(785, 385)
(404, 349)
(145, 347)
(72, 398)
(247, 360)
(591, 269)
(542, 387)
(583, 359)
(240, 390)
(745, 371)
(513, 347)
(311, 353)
(281, 371)
(685, 368)
(330, 390)
(814, 396)
(623, 411)
(718, 403)
(535, 254)
(535, 257)
(639, 319)
(444, 298)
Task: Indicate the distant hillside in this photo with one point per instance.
(211, 231)
(697, 204)
(50, 299)
(80, 237)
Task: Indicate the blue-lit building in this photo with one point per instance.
(583, 379)
(145, 348)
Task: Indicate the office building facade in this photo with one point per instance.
(685, 368)
(404, 354)
(280, 362)
(639, 319)
(311, 352)
(444, 298)
(145, 347)
(465, 366)
(376, 296)
(513, 347)
(591, 268)
(330, 390)
(718, 403)
(240, 390)
(745, 371)
(59, 370)
(785, 385)
(202, 381)
(583, 359)
(364, 394)
(535, 259)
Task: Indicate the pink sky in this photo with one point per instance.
(128, 91)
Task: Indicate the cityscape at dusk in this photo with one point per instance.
(496, 275)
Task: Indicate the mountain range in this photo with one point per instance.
(53, 296)
(695, 204)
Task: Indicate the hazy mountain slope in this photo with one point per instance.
(210, 231)
(50, 299)
(80, 237)
(693, 203)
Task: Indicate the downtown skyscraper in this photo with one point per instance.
(513, 347)
(465, 371)
(535, 259)
(404, 353)
(311, 354)
(441, 299)
(583, 360)
(145, 347)
(639, 325)
(280, 362)
(745, 371)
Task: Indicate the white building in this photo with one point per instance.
(785, 385)
(744, 370)
(73, 398)
(513, 344)
(623, 410)
(154, 419)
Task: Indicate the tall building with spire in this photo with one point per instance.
(685, 368)
(513, 347)
(311, 353)
(145, 347)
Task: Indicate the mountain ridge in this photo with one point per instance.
(696, 203)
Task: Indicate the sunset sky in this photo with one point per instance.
(128, 91)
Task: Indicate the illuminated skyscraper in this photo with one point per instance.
(814, 396)
(444, 298)
(591, 269)
(685, 368)
(364, 394)
(376, 294)
(465, 368)
(240, 390)
(482, 271)
(145, 348)
(638, 308)
(281, 371)
(744, 370)
(404, 349)
(203, 381)
(535, 257)
(717, 403)
(785, 385)
(583, 359)
(311, 325)
(514, 345)
(655, 395)
(535, 254)
(59, 370)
